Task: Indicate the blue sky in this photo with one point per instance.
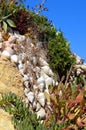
(70, 17)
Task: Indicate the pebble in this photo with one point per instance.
(41, 87)
(41, 99)
(6, 54)
(34, 105)
(26, 83)
(25, 78)
(22, 71)
(38, 107)
(41, 114)
(40, 80)
(79, 71)
(48, 81)
(42, 62)
(26, 91)
(10, 50)
(30, 96)
(12, 39)
(35, 87)
(56, 83)
(14, 58)
(34, 60)
(20, 65)
(83, 67)
(20, 38)
(47, 70)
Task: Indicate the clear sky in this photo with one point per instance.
(70, 17)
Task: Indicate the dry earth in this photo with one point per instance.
(10, 81)
(10, 78)
(5, 121)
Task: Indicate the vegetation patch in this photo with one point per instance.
(23, 119)
(68, 103)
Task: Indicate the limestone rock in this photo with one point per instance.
(38, 107)
(5, 53)
(79, 60)
(14, 58)
(47, 70)
(42, 62)
(30, 96)
(41, 98)
(41, 114)
(40, 80)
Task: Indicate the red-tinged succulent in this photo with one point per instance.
(71, 104)
(68, 108)
(80, 97)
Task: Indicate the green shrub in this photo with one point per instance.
(44, 28)
(61, 58)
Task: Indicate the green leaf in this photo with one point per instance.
(5, 26)
(11, 23)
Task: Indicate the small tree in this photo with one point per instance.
(61, 58)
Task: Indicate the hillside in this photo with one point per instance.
(42, 83)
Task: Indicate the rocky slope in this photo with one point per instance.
(24, 70)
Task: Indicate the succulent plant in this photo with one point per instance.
(68, 105)
(23, 118)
